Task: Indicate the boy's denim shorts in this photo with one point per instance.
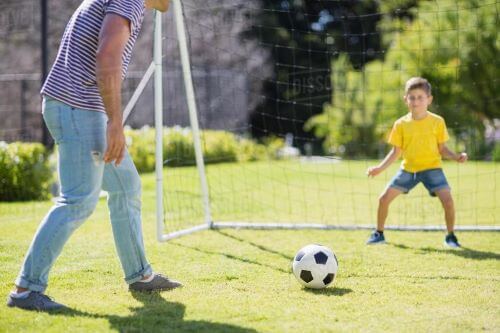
(433, 180)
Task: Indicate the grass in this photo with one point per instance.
(331, 193)
(240, 280)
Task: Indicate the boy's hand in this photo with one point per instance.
(373, 171)
(462, 157)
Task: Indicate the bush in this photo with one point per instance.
(25, 173)
(178, 148)
(496, 152)
(141, 146)
(273, 146)
(249, 151)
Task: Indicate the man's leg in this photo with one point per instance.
(123, 185)
(80, 136)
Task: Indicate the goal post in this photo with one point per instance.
(263, 169)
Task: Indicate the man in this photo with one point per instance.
(82, 110)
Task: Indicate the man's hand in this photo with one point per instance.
(462, 157)
(115, 143)
(373, 171)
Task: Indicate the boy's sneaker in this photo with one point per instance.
(34, 301)
(158, 283)
(376, 238)
(451, 241)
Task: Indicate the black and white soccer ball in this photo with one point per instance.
(315, 266)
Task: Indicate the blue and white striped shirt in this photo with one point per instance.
(72, 79)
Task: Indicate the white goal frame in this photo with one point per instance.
(156, 69)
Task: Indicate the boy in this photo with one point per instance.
(420, 137)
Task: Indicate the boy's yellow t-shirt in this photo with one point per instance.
(418, 140)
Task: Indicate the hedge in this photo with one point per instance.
(25, 173)
(178, 148)
(496, 152)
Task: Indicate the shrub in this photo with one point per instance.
(25, 173)
(178, 148)
(141, 146)
(250, 151)
(496, 152)
(273, 146)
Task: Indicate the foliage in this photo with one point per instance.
(24, 171)
(303, 38)
(496, 153)
(178, 147)
(348, 123)
(453, 45)
(457, 51)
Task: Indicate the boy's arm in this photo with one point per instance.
(391, 157)
(447, 153)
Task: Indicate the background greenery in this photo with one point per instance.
(178, 147)
(24, 171)
(354, 58)
(27, 169)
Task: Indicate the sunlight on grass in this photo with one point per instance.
(330, 193)
(241, 281)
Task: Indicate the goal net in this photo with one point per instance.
(270, 112)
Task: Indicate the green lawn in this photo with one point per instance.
(330, 193)
(240, 280)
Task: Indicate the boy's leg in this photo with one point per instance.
(80, 135)
(384, 201)
(402, 182)
(123, 185)
(449, 208)
(449, 214)
(436, 183)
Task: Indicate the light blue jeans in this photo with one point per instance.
(80, 136)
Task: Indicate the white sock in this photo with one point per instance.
(22, 294)
(149, 279)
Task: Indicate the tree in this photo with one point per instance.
(347, 123)
(454, 45)
(304, 37)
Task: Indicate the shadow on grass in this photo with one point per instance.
(156, 315)
(260, 247)
(332, 291)
(463, 252)
(233, 257)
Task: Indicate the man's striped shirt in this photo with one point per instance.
(72, 79)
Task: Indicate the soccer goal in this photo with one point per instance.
(268, 113)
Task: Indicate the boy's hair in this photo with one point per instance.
(418, 83)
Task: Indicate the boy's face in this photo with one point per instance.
(417, 100)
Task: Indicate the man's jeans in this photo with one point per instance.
(81, 139)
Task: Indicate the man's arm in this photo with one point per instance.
(386, 162)
(447, 153)
(113, 37)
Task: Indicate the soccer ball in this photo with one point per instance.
(315, 266)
